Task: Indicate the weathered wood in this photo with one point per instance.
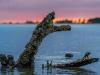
(85, 60)
(42, 30)
(78, 63)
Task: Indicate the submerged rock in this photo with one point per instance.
(69, 55)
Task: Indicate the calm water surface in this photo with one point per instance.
(80, 39)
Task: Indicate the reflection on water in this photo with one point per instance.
(48, 71)
(22, 71)
(79, 71)
(69, 71)
(26, 71)
(5, 71)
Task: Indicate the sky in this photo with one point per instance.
(22, 10)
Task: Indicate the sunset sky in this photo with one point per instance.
(21, 10)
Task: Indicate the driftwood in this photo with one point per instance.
(87, 59)
(43, 29)
(77, 63)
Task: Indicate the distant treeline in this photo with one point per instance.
(90, 21)
(64, 21)
(94, 20)
(26, 22)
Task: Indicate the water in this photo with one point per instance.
(80, 39)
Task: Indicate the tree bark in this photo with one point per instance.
(42, 30)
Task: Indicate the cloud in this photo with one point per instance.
(29, 5)
(38, 8)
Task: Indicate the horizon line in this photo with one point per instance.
(55, 20)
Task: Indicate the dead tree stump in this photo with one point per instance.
(43, 29)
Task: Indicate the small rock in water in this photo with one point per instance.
(68, 55)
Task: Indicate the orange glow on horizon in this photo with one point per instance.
(80, 20)
(74, 20)
(23, 19)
